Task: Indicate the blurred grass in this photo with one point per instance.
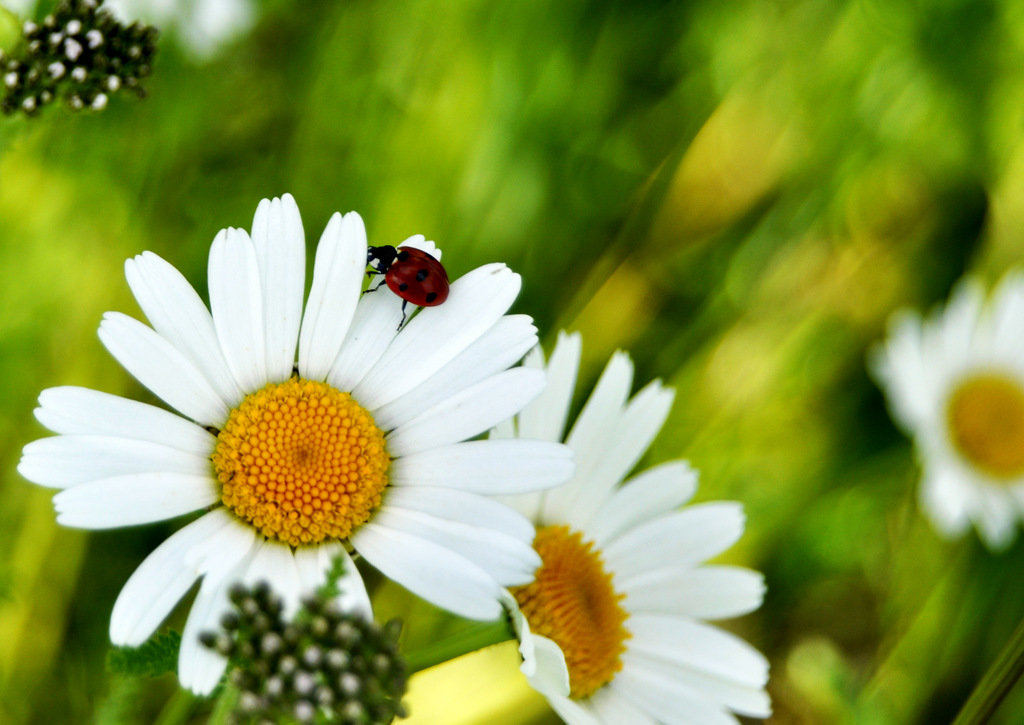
(738, 193)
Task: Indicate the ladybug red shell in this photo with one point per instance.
(410, 273)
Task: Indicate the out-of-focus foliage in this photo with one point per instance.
(740, 193)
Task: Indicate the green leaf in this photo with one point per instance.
(996, 684)
(330, 589)
(157, 656)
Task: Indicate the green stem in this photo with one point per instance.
(996, 684)
(178, 709)
(474, 637)
(224, 706)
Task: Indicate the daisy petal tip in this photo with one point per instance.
(25, 468)
(352, 226)
(353, 217)
(219, 239)
(569, 338)
(203, 683)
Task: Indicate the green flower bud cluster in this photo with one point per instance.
(81, 53)
(324, 667)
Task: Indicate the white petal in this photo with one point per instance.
(487, 466)
(1007, 307)
(430, 571)
(200, 668)
(159, 582)
(900, 367)
(680, 539)
(652, 493)
(611, 707)
(497, 349)
(667, 700)
(373, 328)
(313, 563)
(222, 557)
(68, 460)
(543, 661)
(572, 712)
(946, 499)
(280, 245)
(996, 518)
(707, 592)
(592, 433)
(504, 430)
(751, 701)
(547, 665)
(637, 426)
(226, 546)
(418, 241)
(177, 313)
(158, 365)
(470, 412)
(237, 304)
(337, 283)
(529, 505)
(698, 646)
(72, 410)
(273, 563)
(544, 418)
(453, 505)
(437, 334)
(959, 323)
(510, 561)
(134, 499)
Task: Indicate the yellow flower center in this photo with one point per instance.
(572, 602)
(986, 421)
(301, 462)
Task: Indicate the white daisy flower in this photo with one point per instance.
(361, 443)
(955, 384)
(612, 628)
(203, 25)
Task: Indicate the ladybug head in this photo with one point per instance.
(381, 258)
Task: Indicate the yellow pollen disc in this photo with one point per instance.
(986, 421)
(572, 602)
(301, 462)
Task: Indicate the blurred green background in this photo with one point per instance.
(738, 193)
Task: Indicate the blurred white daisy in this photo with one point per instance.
(955, 384)
(361, 443)
(202, 25)
(612, 628)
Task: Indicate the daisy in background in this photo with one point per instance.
(203, 26)
(357, 442)
(612, 628)
(955, 384)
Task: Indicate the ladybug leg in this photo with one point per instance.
(402, 323)
(373, 289)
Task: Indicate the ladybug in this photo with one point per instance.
(410, 273)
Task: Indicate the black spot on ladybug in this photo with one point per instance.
(403, 286)
(431, 297)
(402, 256)
(421, 275)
